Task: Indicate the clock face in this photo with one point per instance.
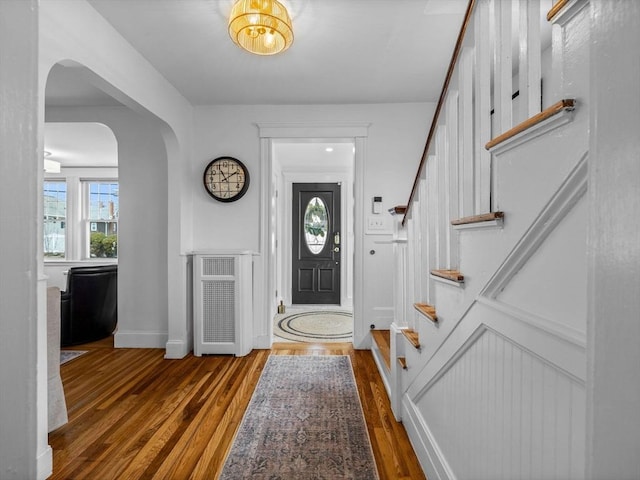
(226, 179)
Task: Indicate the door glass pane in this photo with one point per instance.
(316, 224)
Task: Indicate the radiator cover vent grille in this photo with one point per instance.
(218, 306)
(222, 303)
(218, 266)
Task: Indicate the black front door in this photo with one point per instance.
(316, 243)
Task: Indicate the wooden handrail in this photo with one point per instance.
(441, 100)
(559, 5)
(566, 104)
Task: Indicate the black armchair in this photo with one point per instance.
(89, 306)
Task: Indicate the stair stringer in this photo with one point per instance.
(559, 353)
(460, 424)
(504, 254)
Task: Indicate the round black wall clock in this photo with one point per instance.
(226, 179)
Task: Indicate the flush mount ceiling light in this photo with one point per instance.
(50, 166)
(262, 27)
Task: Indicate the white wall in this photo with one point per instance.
(396, 139)
(73, 33)
(23, 396)
(33, 37)
(394, 145)
(142, 226)
(613, 440)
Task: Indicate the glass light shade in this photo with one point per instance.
(262, 27)
(51, 166)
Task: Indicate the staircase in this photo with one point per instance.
(485, 361)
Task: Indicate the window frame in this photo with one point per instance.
(86, 220)
(77, 226)
(66, 219)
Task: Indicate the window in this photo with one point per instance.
(55, 219)
(316, 225)
(102, 219)
(80, 218)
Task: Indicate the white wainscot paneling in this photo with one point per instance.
(382, 317)
(379, 267)
(553, 282)
(501, 412)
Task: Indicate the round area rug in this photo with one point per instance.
(318, 326)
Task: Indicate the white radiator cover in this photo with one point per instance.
(222, 303)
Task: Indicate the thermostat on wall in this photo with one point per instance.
(377, 204)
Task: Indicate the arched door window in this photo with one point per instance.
(316, 224)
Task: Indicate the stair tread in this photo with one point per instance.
(453, 275)
(562, 105)
(403, 362)
(427, 310)
(383, 341)
(484, 217)
(412, 336)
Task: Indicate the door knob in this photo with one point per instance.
(336, 249)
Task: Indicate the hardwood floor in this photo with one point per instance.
(135, 415)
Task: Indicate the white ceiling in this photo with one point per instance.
(344, 51)
(314, 155)
(81, 144)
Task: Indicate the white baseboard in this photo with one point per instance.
(140, 339)
(429, 454)
(262, 342)
(176, 349)
(44, 464)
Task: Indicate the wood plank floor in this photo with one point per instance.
(135, 415)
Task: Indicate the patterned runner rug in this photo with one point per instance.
(304, 421)
(316, 326)
(68, 355)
